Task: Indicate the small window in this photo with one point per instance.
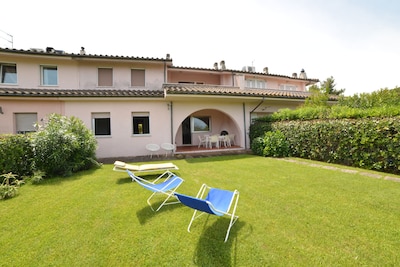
(49, 75)
(141, 123)
(25, 122)
(105, 77)
(137, 77)
(253, 83)
(288, 87)
(201, 124)
(101, 123)
(8, 73)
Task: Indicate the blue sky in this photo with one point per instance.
(355, 41)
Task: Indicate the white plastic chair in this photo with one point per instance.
(231, 139)
(168, 147)
(202, 141)
(152, 148)
(213, 139)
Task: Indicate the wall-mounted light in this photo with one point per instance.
(1, 110)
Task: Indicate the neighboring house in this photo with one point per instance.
(129, 102)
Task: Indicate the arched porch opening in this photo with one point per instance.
(206, 122)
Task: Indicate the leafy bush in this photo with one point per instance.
(275, 145)
(16, 154)
(9, 186)
(366, 143)
(63, 146)
(257, 146)
(377, 99)
(37, 177)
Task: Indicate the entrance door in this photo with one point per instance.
(186, 133)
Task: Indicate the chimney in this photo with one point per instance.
(265, 70)
(216, 65)
(294, 75)
(168, 57)
(50, 49)
(303, 74)
(222, 63)
(82, 52)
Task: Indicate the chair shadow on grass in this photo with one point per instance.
(124, 180)
(211, 248)
(146, 213)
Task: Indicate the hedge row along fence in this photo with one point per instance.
(370, 143)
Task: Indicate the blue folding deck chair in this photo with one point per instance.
(217, 202)
(167, 187)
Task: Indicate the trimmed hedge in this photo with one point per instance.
(372, 143)
(16, 154)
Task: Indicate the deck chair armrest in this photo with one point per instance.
(170, 181)
(167, 175)
(140, 179)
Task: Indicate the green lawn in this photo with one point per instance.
(290, 214)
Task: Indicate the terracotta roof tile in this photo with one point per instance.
(79, 93)
(168, 89)
(310, 81)
(188, 89)
(64, 54)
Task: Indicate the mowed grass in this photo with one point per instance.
(290, 214)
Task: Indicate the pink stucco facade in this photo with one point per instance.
(166, 95)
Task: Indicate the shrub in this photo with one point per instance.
(366, 143)
(16, 154)
(63, 146)
(257, 146)
(275, 145)
(9, 186)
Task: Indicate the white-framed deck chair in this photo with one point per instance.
(217, 202)
(155, 167)
(167, 187)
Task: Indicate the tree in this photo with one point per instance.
(317, 98)
(328, 87)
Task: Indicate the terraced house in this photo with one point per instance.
(130, 102)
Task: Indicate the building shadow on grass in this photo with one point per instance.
(211, 249)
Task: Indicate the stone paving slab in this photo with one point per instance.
(316, 165)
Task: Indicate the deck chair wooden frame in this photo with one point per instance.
(167, 187)
(212, 201)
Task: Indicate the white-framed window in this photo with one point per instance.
(138, 77)
(288, 87)
(49, 75)
(200, 124)
(105, 77)
(101, 124)
(25, 122)
(255, 83)
(141, 123)
(8, 73)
